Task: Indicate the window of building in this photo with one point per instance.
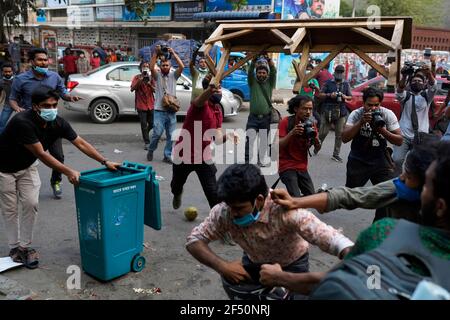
(59, 13)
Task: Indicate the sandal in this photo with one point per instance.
(16, 255)
(31, 258)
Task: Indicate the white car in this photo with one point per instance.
(105, 93)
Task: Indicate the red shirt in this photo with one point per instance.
(70, 64)
(95, 62)
(323, 76)
(208, 117)
(295, 155)
(144, 99)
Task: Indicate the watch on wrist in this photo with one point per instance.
(103, 162)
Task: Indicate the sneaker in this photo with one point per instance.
(149, 156)
(336, 158)
(167, 160)
(176, 202)
(30, 258)
(57, 190)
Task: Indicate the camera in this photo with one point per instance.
(309, 131)
(377, 119)
(164, 49)
(339, 97)
(411, 68)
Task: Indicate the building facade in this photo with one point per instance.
(437, 39)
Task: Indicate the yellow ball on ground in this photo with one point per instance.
(191, 213)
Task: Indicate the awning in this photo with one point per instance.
(231, 15)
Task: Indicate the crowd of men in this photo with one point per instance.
(410, 186)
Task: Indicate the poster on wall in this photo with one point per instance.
(76, 14)
(184, 11)
(162, 12)
(252, 5)
(310, 9)
(112, 13)
(48, 41)
(57, 3)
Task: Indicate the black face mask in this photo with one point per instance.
(215, 98)
(416, 87)
(338, 77)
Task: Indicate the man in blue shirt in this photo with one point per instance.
(20, 100)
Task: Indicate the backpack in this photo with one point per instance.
(350, 279)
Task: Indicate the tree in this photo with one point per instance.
(345, 9)
(11, 12)
(142, 8)
(237, 4)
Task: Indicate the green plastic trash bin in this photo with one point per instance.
(110, 211)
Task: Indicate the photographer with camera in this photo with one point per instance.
(335, 92)
(369, 128)
(143, 87)
(415, 106)
(297, 134)
(166, 103)
(198, 74)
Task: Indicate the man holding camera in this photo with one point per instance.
(297, 134)
(414, 120)
(335, 92)
(369, 128)
(166, 84)
(143, 87)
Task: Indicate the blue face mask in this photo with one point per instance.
(215, 98)
(40, 70)
(406, 193)
(49, 114)
(247, 220)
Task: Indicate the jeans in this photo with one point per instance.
(20, 190)
(257, 123)
(56, 150)
(296, 181)
(359, 173)
(206, 173)
(163, 120)
(4, 117)
(325, 128)
(400, 153)
(146, 119)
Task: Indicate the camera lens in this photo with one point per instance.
(377, 119)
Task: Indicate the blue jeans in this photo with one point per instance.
(4, 117)
(163, 120)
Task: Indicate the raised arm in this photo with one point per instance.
(153, 65)
(180, 63)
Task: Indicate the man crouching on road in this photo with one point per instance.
(255, 224)
(26, 138)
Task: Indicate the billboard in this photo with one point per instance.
(112, 13)
(57, 3)
(310, 9)
(252, 5)
(77, 2)
(162, 12)
(184, 11)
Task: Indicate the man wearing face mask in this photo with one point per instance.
(5, 86)
(197, 74)
(333, 111)
(261, 83)
(192, 151)
(265, 231)
(414, 119)
(143, 86)
(26, 139)
(20, 100)
(95, 60)
(83, 65)
(369, 128)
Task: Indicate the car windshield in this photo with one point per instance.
(98, 69)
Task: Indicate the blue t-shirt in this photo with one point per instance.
(25, 83)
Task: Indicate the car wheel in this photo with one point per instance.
(239, 99)
(103, 111)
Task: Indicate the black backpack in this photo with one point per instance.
(349, 280)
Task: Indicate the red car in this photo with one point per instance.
(391, 102)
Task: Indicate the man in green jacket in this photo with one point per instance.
(261, 82)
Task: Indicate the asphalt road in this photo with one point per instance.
(169, 266)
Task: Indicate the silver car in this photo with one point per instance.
(106, 93)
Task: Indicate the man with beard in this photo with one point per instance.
(314, 11)
(415, 104)
(261, 87)
(432, 236)
(197, 74)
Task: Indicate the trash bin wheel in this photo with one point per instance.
(138, 263)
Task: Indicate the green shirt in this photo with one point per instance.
(197, 79)
(310, 92)
(435, 240)
(258, 103)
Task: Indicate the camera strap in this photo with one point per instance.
(265, 96)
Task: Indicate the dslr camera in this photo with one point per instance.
(309, 132)
(377, 119)
(339, 96)
(411, 68)
(164, 51)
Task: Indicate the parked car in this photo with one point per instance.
(391, 102)
(106, 93)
